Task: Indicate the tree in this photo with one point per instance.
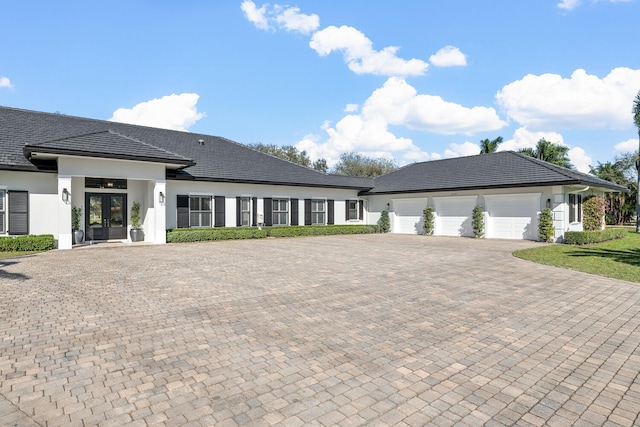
(549, 152)
(384, 222)
(292, 154)
(620, 206)
(545, 225)
(354, 164)
(428, 220)
(636, 121)
(490, 146)
(477, 221)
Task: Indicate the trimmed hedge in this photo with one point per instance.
(589, 237)
(183, 235)
(43, 242)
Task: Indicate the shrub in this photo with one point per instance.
(593, 211)
(319, 230)
(477, 221)
(136, 222)
(428, 220)
(43, 242)
(383, 222)
(589, 237)
(546, 231)
(76, 217)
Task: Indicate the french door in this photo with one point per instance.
(106, 217)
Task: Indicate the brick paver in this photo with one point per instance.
(345, 330)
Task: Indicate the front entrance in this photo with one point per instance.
(106, 217)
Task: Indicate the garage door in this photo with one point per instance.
(453, 215)
(513, 216)
(408, 215)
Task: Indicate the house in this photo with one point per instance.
(51, 162)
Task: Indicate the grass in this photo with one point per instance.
(618, 259)
(15, 254)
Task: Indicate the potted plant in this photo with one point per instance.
(136, 233)
(76, 219)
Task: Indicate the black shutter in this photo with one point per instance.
(182, 219)
(268, 211)
(254, 220)
(361, 209)
(572, 207)
(346, 210)
(238, 211)
(219, 209)
(18, 212)
(330, 210)
(294, 211)
(579, 208)
(307, 211)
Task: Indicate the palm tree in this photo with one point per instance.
(616, 202)
(636, 121)
(549, 152)
(487, 146)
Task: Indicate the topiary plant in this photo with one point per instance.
(428, 220)
(545, 225)
(593, 211)
(136, 222)
(76, 217)
(477, 221)
(383, 222)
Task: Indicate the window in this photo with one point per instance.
(118, 184)
(280, 212)
(245, 211)
(352, 206)
(3, 215)
(200, 211)
(575, 208)
(317, 212)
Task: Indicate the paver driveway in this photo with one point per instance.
(350, 330)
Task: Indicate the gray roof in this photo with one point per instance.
(215, 159)
(506, 169)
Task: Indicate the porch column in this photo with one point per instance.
(65, 234)
(160, 212)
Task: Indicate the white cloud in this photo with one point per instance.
(176, 112)
(256, 15)
(350, 108)
(568, 4)
(287, 18)
(581, 101)
(580, 159)
(360, 56)
(627, 146)
(448, 56)
(523, 138)
(460, 150)
(5, 82)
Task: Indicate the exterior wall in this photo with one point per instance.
(43, 198)
(230, 191)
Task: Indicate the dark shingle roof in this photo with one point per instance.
(216, 159)
(505, 169)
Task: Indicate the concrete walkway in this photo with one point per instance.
(350, 330)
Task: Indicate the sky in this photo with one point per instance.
(411, 80)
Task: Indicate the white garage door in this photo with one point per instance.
(408, 215)
(513, 216)
(453, 215)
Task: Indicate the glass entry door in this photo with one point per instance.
(105, 217)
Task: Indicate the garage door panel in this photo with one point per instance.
(453, 216)
(408, 216)
(513, 217)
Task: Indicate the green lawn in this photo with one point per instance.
(619, 259)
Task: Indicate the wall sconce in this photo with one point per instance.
(161, 197)
(388, 206)
(548, 203)
(65, 195)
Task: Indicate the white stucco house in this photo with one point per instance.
(51, 162)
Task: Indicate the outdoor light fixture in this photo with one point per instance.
(388, 206)
(65, 195)
(548, 203)
(161, 197)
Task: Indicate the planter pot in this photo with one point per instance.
(137, 235)
(78, 237)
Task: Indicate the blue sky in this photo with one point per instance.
(410, 79)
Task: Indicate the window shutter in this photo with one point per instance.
(307, 211)
(361, 209)
(219, 209)
(18, 212)
(330, 209)
(346, 210)
(238, 211)
(182, 219)
(572, 207)
(268, 211)
(295, 206)
(254, 213)
(579, 207)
